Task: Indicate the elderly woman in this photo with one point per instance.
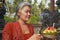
(20, 30)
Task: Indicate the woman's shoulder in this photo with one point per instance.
(30, 25)
(10, 23)
(8, 27)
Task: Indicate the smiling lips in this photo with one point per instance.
(28, 16)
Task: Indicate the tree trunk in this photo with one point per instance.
(52, 6)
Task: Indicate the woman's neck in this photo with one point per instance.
(22, 22)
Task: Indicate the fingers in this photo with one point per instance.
(39, 36)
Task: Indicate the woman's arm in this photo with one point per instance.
(35, 37)
(6, 35)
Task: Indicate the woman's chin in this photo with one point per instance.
(26, 20)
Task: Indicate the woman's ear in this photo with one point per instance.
(19, 12)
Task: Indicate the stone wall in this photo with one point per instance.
(37, 28)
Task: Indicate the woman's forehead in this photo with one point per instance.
(22, 6)
(26, 8)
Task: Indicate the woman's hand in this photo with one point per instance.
(36, 37)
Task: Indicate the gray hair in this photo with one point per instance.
(21, 5)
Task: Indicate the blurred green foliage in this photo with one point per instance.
(8, 19)
(36, 10)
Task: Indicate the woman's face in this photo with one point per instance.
(25, 13)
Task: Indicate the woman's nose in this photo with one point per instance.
(29, 13)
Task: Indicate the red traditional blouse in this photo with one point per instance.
(13, 31)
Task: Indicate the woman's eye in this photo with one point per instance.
(28, 11)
